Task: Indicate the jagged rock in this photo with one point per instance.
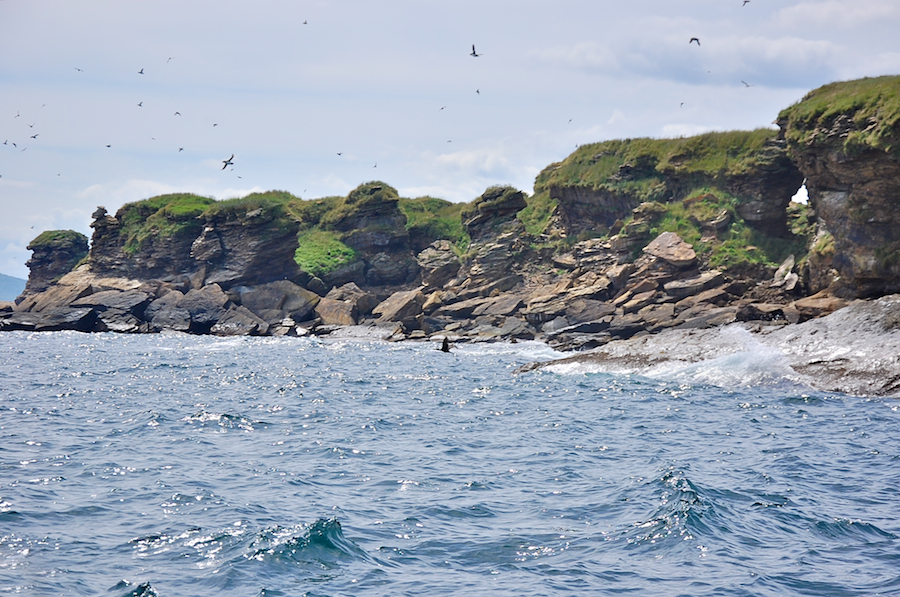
(462, 309)
(625, 326)
(555, 325)
(164, 314)
(704, 316)
(207, 246)
(53, 254)
(351, 293)
(117, 320)
(818, 305)
(438, 263)
(513, 327)
(500, 305)
(669, 247)
(680, 289)
(81, 319)
(639, 301)
(239, 321)
(336, 312)
(494, 213)
(7, 306)
(131, 301)
(354, 272)
(400, 305)
(55, 297)
(205, 306)
(432, 303)
(766, 312)
(277, 300)
(389, 268)
(783, 271)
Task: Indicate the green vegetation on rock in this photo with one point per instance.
(537, 214)
(865, 112)
(58, 238)
(435, 219)
(320, 252)
(161, 217)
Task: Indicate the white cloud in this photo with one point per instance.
(840, 14)
(684, 130)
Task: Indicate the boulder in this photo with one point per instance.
(351, 293)
(669, 247)
(501, 305)
(55, 297)
(131, 301)
(239, 321)
(680, 289)
(400, 305)
(336, 312)
(205, 306)
(164, 313)
(818, 305)
(117, 320)
(282, 295)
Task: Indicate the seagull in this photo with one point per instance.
(35, 136)
(228, 162)
(746, 84)
(177, 114)
(682, 105)
(78, 69)
(5, 142)
(31, 126)
(478, 91)
(694, 39)
(745, 2)
(141, 72)
(170, 57)
(215, 124)
(180, 149)
(16, 146)
(140, 104)
(474, 54)
(17, 115)
(340, 153)
(442, 107)
(109, 145)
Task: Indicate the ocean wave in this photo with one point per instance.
(322, 543)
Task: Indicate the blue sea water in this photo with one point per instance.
(177, 465)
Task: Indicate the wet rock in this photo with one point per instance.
(117, 320)
(239, 321)
(205, 306)
(82, 319)
(164, 313)
(130, 301)
(283, 296)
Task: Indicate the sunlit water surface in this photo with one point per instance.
(175, 465)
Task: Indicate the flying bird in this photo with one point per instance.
(694, 39)
(215, 124)
(478, 91)
(442, 107)
(304, 22)
(17, 115)
(5, 142)
(78, 69)
(474, 54)
(35, 136)
(177, 114)
(109, 145)
(141, 72)
(228, 162)
(180, 149)
(745, 2)
(31, 126)
(170, 57)
(746, 84)
(376, 165)
(140, 104)
(340, 153)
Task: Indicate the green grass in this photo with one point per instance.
(872, 104)
(638, 166)
(58, 239)
(320, 252)
(435, 219)
(537, 214)
(162, 216)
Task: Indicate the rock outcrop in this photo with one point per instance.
(53, 254)
(845, 137)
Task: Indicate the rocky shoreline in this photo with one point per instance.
(621, 241)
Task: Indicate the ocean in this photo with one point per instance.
(174, 465)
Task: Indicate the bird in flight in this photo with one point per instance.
(442, 107)
(215, 124)
(478, 91)
(180, 149)
(228, 162)
(376, 165)
(746, 84)
(78, 69)
(17, 115)
(304, 22)
(31, 126)
(141, 72)
(694, 39)
(140, 104)
(474, 54)
(35, 136)
(109, 145)
(177, 114)
(170, 58)
(745, 2)
(340, 153)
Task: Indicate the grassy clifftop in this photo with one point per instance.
(864, 113)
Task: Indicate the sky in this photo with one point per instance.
(104, 102)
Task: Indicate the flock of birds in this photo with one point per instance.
(229, 163)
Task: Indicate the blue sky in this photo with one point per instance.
(286, 86)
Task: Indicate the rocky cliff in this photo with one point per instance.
(845, 138)
(620, 240)
(53, 254)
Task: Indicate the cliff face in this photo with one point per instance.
(54, 254)
(602, 183)
(845, 137)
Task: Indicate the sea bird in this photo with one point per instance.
(745, 2)
(228, 162)
(35, 136)
(694, 39)
(746, 84)
(141, 72)
(177, 114)
(170, 57)
(340, 153)
(474, 54)
(478, 91)
(78, 69)
(180, 149)
(140, 104)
